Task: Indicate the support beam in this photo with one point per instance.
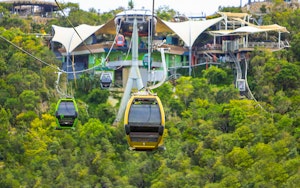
(134, 74)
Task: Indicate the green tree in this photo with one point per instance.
(263, 9)
(267, 174)
(97, 96)
(165, 93)
(288, 77)
(233, 113)
(78, 17)
(3, 66)
(244, 135)
(227, 93)
(231, 180)
(239, 159)
(215, 75)
(177, 107)
(104, 112)
(13, 21)
(184, 89)
(29, 100)
(262, 151)
(6, 91)
(202, 89)
(281, 102)
(130, 4)
(165, 13)
(5, 116)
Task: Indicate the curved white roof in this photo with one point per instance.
(71, 38)
(247, 29)
(189, 31)
(252, 29)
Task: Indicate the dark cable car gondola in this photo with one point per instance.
(105, 80)
(66, 113)
(144, 122)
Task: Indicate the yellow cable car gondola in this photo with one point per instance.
(144, 122)
(66, 113)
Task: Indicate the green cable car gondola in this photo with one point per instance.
(144, 122)
(66, 113)
(146, 61)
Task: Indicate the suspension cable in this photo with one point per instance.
(36, 58)
(249, 90)
(73, 27)
(108, 54)
(58, 89)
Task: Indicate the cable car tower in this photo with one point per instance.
(134, 74)
(144, 117)
(135, 77)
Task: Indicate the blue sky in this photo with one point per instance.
(188, 7)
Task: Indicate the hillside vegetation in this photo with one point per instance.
(214, 138)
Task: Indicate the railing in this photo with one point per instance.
(30, 2)
(234, 45)
(178, 64)
(264, 45)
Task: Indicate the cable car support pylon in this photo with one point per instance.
(134, 74)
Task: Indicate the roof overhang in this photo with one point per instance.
(188, 31)
(71, 38)
(250, 30)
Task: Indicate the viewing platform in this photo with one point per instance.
(40, 8)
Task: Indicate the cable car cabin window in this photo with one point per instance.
(144, 114)
(106, 79)
(120, 38)
(66, 108)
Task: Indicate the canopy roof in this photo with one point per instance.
(252, 29)
(234, 14)
(188, 31)
(273, 27)
(71, 38)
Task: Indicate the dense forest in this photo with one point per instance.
(214, 138)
